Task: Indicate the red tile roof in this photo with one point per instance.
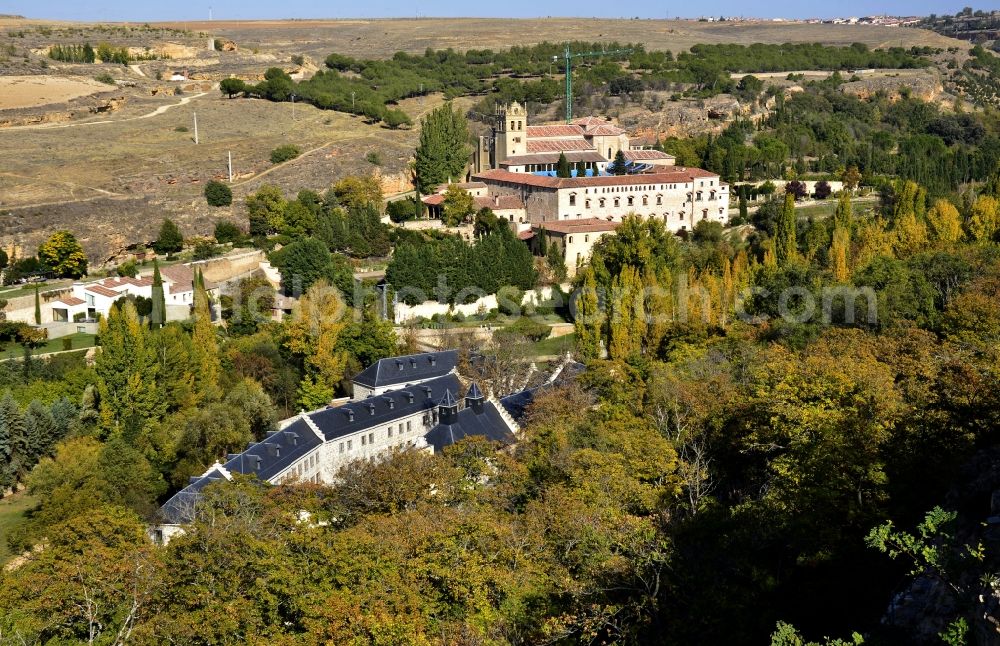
(675, 174)
(527, 234)
(72, 301)
(606, 130)
(552, 158)
(433, 200)
(590, 225)
(103, 291)
(463, 185)
(535, 132)
(500, 202)
(557, 145)
(645, 155)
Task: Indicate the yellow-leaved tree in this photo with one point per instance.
(311, 335)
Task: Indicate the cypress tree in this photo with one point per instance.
(563, 167)
(159, 313)
(581, 169)
(38, 307)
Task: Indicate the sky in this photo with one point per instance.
(130, 10)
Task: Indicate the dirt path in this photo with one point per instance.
(158, 111)
(72, 185)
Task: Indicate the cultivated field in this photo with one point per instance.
(375, 38)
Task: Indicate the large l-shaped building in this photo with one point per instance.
(400, 403)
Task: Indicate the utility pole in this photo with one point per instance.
(230, 167)
(569, 56)
(293, 107)
(195, 128)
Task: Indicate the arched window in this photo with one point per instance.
(602, 202)
(586, 204)
(586, 238)
(570, 239)
(572, 199)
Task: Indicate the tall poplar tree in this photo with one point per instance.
(588, 320)
(786, 244)
(204, 345)
(443, 151)
(126, 371)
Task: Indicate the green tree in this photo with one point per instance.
(231, 87)
(306, 261)
(588, 318)
(581, 169)
(563, 169)
(204, 346)
(63, 255)
(170, 239)
(458, 205)
(358, 191)
(38, 307)
(158, 315)
(785, 240)
(126, 371)
(266, 210)
(620, 165)
(443, 151)
(227, 232)
(218, 193)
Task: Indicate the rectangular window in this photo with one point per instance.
(371, 438)
(341, 447)
(349, 445)
(390, 432)
(407, 425)
(400, 427)
(364, 440)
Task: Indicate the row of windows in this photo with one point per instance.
(630, 200)
(644, 187)
(369, 439)
(666, 217)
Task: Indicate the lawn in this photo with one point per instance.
(553, 346)
(12, 515)
(80, 341)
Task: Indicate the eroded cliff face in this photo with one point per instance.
(924, 87)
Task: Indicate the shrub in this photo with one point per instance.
(105, 78)
(181, 129)
(402, 210)
(218, 194)
(203, 250)
(226, 231)
(532, 330)
(67, 343)
(298, 59)
(284, 153)
(373, 158)
(129, 269)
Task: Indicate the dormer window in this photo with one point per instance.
(399, 364)
(433, 360)
(350, 415)
(409, 397)
(390, 402)
(371, 409)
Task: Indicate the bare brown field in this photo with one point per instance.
(28, 91)
(381, 38)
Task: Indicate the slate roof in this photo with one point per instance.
(489, 423)
(382, 409)
(181, 506)
(276, 452)
(409, 369)
(517, 404)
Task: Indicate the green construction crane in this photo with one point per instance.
(569, 56)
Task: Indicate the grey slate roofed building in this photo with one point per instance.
(396, 371)
(414, 408)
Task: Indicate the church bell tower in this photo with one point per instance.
(511, 126)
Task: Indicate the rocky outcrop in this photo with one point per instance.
(923, 87)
